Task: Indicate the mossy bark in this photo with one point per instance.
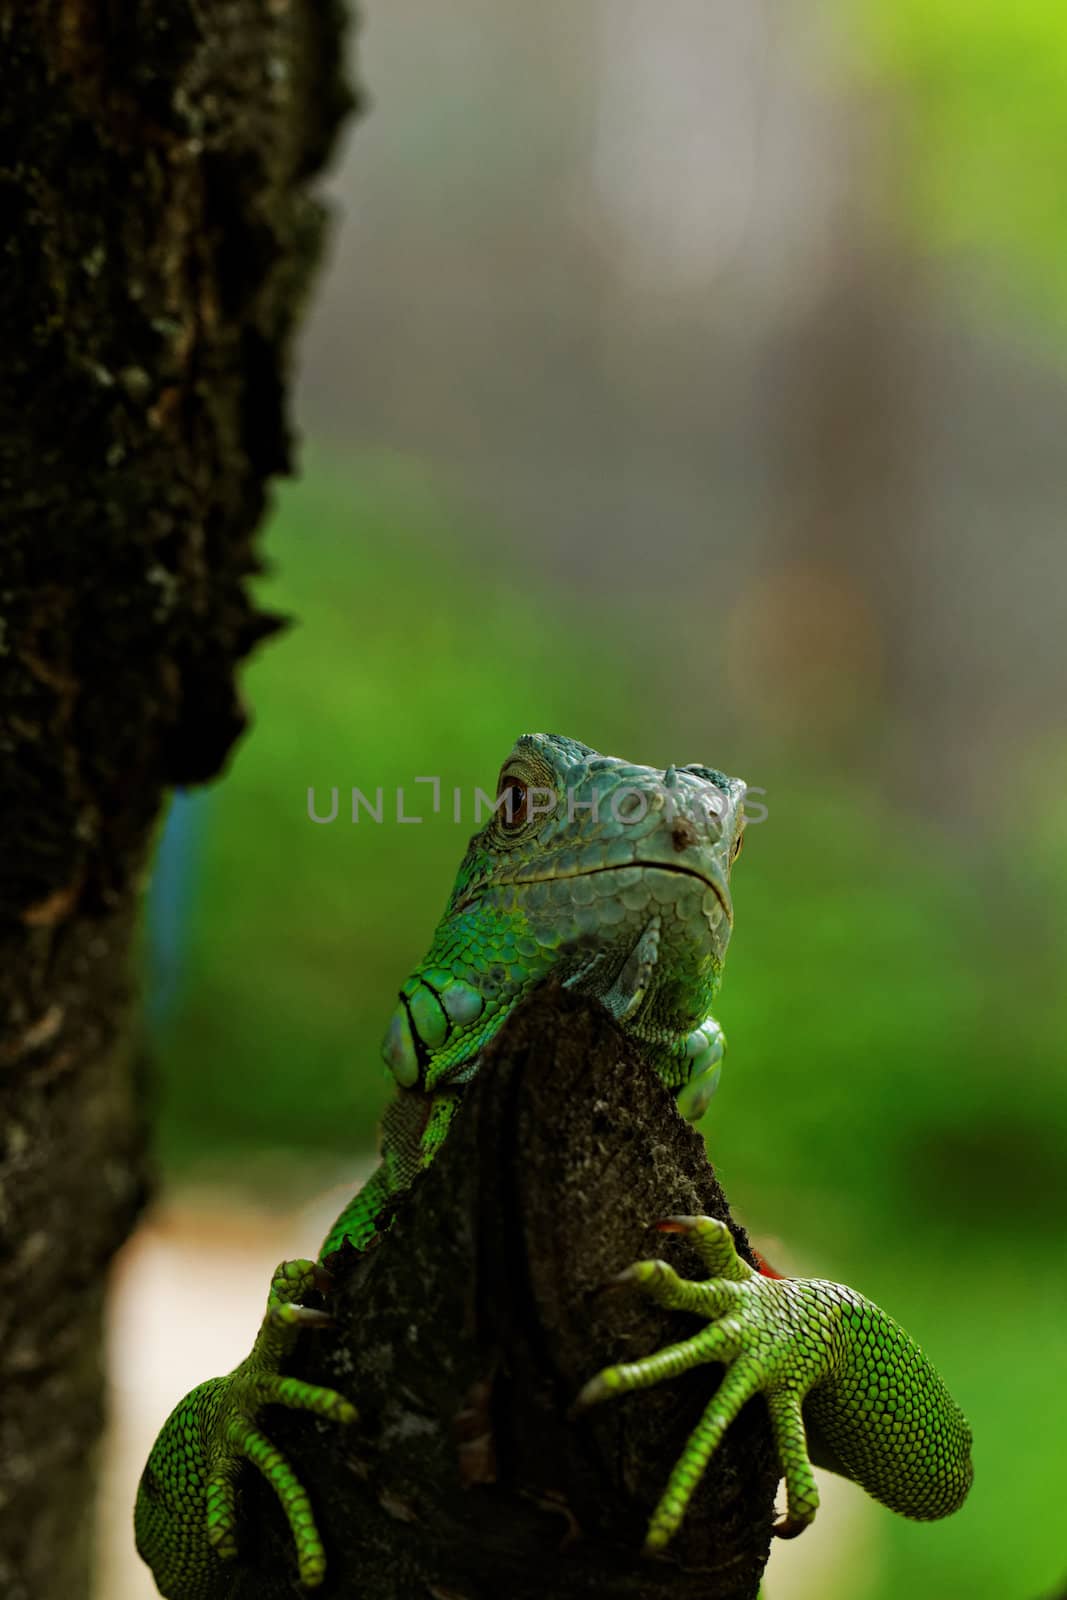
(159, 232)
(465, 1336)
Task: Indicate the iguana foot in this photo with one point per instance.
(771, 1339)
(256, 1383)
(188, 1494)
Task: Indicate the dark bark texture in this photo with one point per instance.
(158, 234)
(465, 1336)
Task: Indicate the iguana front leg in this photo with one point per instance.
(186, 1515)
(811, 1347)
(186, 1518)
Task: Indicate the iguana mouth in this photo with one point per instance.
(721, 893)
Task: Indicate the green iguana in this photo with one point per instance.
(615, 879)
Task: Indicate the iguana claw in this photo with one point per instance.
(744, 1334)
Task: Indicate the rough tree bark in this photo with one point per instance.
(465, 1336)
(158, 234)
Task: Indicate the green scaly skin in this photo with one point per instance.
(614, 878)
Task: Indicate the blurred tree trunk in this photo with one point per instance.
(838, 627)
(846, 623)
(155, 158)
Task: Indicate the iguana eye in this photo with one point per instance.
(513, 792)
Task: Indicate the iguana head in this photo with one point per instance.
(614, 877)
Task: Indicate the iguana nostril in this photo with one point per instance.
(683, 834)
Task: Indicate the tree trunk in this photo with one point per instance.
(158, 232)
(465, 1336)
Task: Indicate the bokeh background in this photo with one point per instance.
(693, 380)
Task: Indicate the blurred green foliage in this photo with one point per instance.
(982, 87)
(894, 1098)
